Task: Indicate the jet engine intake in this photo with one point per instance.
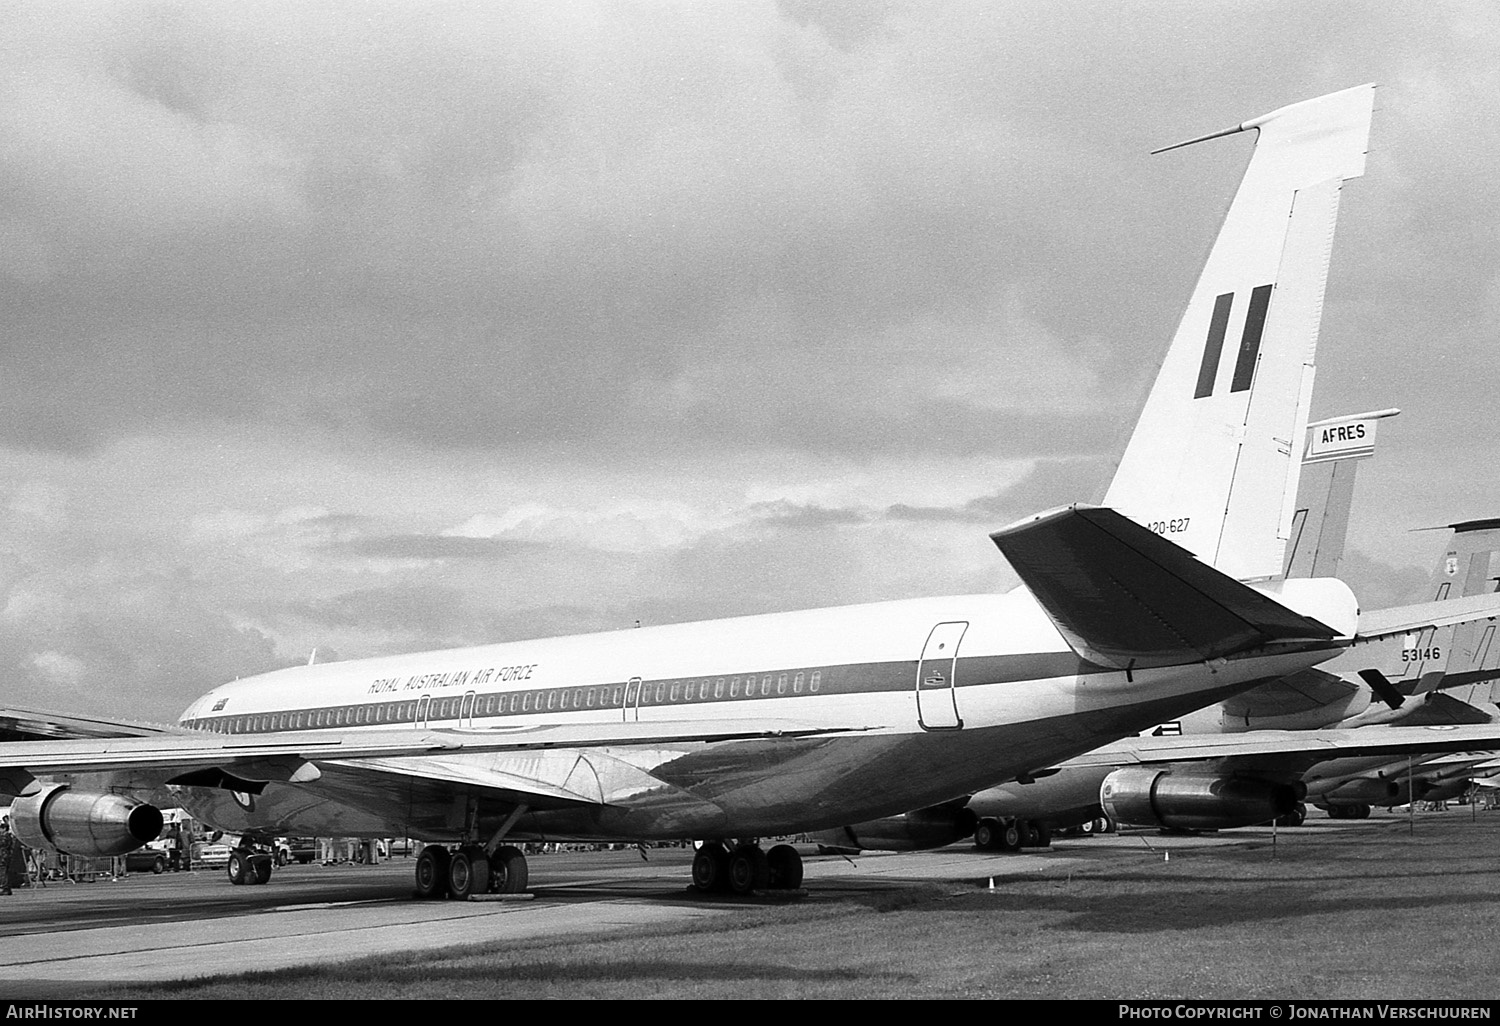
(88, 823)
(1188, 801)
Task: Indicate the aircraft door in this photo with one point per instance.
(937, 673)
(422, 704)
(630, 711)
(466, 710)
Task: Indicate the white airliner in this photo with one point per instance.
(763, 725)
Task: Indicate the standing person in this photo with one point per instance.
(7, 852)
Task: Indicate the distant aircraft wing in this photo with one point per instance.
(209, 759)
(1317, 744)
(42, 724)
(1383, 623)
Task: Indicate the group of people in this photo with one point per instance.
(12, 857)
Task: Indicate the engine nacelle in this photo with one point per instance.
(88, 823)
(1186, 801)
(913, 831)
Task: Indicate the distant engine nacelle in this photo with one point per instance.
(88, 823)
(913, 831)
(1186, 801)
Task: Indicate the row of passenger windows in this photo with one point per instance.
(635, 694)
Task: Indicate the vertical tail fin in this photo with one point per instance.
(1470, 654)
(1215, 458)
(1320, 524)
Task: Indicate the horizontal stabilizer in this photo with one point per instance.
(1123, 596)
(1383, 623)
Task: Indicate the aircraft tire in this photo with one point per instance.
(1012, 836)
(785, 866)
(748, 870)
(508, 871)
(238, 868)
(260, 869)
(711, 868)
(468, 873)
(987, 835)
(1041, 834)
(432, 872)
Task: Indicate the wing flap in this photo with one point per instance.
(281, 755)
(1122, 594)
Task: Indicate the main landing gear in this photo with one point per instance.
(248, 866)
(746, 869)
(1011, 834)
(469, 869)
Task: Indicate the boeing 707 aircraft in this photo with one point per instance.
(728, 730)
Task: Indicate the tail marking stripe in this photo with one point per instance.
(1214, 346)
(1255, 323)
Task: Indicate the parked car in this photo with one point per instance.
(296, 849)
(147, 859)
(210, 854)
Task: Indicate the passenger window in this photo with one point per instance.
(676, 685)
(564, 703)
(526, 702)
(765, 684)
(812, 684)
(797, 684)
(551, 699)
(734, 688)
(719, 688)
(781, 684)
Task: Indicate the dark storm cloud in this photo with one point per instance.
(411, 240)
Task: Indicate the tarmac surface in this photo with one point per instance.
(147, 928)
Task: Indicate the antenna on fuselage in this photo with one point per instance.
(312, 656)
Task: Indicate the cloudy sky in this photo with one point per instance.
(380, 326)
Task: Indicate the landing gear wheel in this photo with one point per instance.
(432, 872)
(748, 870)
(785, 866)
(508, 871)
(1041, 834)
(260, 869)
(987, 835)
(1086, 828)
(1293, 817)
(1011, 836)
(238, 867)
(711, 868)
(468, 873)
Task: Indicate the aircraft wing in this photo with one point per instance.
(1314, 745)
(210, 759)
(42, 724)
